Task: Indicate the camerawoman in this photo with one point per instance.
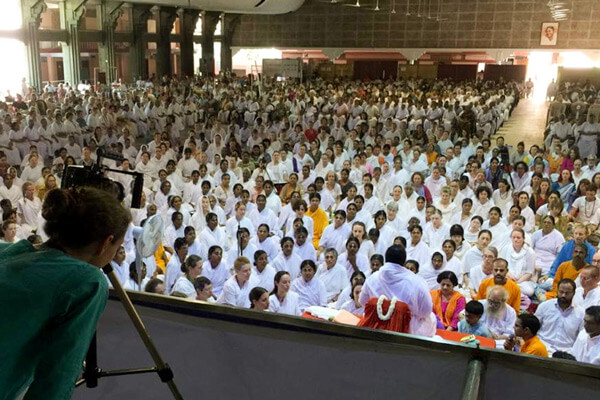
(52, 296)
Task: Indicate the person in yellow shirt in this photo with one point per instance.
(319, 217)
(525, 338)
(500, 270)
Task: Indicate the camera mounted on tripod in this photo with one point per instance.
(95, 176)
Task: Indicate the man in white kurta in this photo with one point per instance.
(561, 320)
(589, 293)
(587, 345)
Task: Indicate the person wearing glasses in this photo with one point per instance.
(498, 316)
(332, 275)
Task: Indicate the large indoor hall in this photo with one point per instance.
(299, 199)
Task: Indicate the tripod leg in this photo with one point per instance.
(90, 372)
(164, 371)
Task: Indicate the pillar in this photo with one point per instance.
(165, 19)
(210, 19)
(110, 13)
(137, 51)
(189, 18)
(32, 12)
(71, 13)
(228, 27)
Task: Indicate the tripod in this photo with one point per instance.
(92, 372)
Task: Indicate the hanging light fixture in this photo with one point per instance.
(559, 10)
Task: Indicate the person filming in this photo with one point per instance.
(53, 295)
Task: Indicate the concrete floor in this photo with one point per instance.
(526, 124)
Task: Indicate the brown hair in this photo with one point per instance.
(78, 217)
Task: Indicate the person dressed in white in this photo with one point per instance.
(303, 248)
(263, 215)
(332, 275)
(430, 271)
(416, 249)
(394, 280)
(335, 235)
(436, 231)
(498, 316)
(561, 321)
(310, 290)
(241, 247)
(120, 266)
(353, 305)
(588, 294)
(546, 243)
(262, 271)
(287, 260)
(282, 300)
(587, 345)
(521, 262)
(265, 242)
(484, 271)
(474, 256)
(132, 282)
(33, 170)
(352, 260)
(236, 289)
(215, 269)
(28, 208)
(213, 235)
(174, 266)
(192, 267)
(239, 220)
(495, 225)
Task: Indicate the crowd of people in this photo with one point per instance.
(280, 196)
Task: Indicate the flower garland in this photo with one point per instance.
(380, 314)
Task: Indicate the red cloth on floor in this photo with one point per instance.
(399, 322)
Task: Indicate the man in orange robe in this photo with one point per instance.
(500, 270)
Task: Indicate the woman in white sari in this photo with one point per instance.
(521, 262)
(311, 290)
(417, 249)
(546, 242)
(282, 300)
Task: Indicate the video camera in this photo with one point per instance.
(504, 158)
(95, 176)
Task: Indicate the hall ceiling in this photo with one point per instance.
(231, 6)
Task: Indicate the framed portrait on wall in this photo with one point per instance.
(549, 34)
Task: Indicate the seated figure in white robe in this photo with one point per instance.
(236, 291)
(311, 290)
(394, 280)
